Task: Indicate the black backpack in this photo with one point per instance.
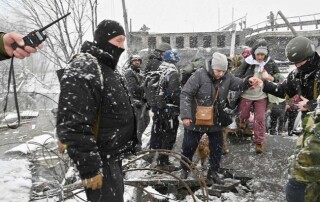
(190, 68)
(152, 84)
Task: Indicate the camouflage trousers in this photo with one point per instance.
(312, 193)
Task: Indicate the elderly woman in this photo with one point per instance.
(201, 89)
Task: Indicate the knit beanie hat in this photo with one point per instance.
(219, 62)
(106, 30)
(261, 50)
(171, 56)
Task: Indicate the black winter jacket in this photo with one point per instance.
(172, 88)
(248, 66)
(247, 69)
(91, 87)
(135, 83)
(154, 61)
(203, 88)
(305, 82)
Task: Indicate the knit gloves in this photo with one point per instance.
(94, 182)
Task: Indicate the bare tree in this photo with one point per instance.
(66, 36)
(94, 16)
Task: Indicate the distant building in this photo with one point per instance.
(188, 43)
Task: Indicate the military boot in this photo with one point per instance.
(213, 177)
(184, 174)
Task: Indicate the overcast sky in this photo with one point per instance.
(200, 15)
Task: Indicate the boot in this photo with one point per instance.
(167, 166)
(150, 158)
(259, 148)
(272, 131)
(242, 124)
(184, 174)
(213, 177)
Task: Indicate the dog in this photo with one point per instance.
(203, 151)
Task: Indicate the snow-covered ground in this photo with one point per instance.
(17, 174)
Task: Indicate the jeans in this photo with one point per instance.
(295, 191)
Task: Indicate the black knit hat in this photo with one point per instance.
(106, 30)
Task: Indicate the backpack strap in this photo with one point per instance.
(96, 125)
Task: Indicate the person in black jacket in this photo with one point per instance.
(95, 118)
(165, 113)
(304, 80)
(6, 51)
(135, 86)
(155, 58)
(201, 90)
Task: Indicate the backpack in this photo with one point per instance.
(189, 69)
(155, 86)
(152, 84)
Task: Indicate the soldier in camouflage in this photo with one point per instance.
(304, 171)
(304, 164)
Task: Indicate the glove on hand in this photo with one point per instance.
(94, 182)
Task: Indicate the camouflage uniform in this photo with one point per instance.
(305, 162)
(3, 54)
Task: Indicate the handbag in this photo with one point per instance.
(205, 114)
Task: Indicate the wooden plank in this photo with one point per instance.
(239, 131)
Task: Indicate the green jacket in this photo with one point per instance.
(305, 163)
(3, 54)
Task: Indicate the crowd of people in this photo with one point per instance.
(102, 114)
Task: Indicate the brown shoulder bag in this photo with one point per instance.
(205, 114)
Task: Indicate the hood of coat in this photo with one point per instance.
(260, 43)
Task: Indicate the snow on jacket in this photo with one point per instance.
(305, 82)
(91, 87)
(203, 88)
(170, 79)
(154, 61)
(135, 81)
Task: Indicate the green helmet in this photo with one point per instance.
(163, 47)
(299, 48)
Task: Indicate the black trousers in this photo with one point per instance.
(277, 117)
(143, 119)
(291, 117)
(164, 131)
(112, 187)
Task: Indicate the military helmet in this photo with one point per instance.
(135, 57)
(164, 47)
(299, 48)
